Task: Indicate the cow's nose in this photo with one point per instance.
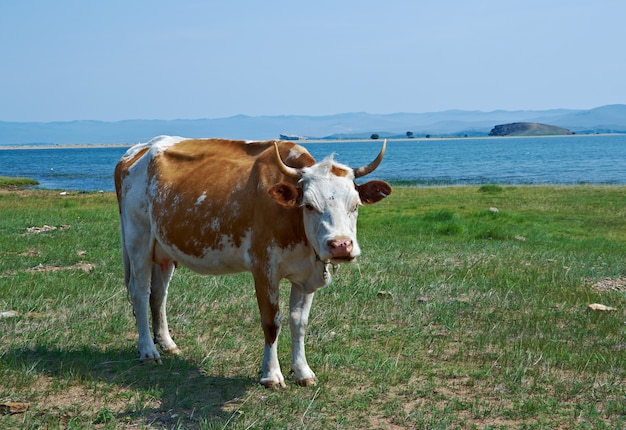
(340, 247)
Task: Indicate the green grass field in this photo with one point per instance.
(468, 309)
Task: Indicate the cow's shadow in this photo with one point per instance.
(174, 393)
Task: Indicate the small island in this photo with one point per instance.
(528, 129)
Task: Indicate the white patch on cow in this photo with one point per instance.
(227, 258)
(300, 266)
(232, 209)
(163, 142)
(331, 207)
(201, 199)
(295, 152)
(247, 258)
(277, 317)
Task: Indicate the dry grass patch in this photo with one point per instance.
(610, 284)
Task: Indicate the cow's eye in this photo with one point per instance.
(309, 207)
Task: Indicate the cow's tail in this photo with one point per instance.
(125, 261)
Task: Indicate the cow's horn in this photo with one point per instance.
(288, 171)
(364, 170)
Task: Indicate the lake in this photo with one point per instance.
(593, 159)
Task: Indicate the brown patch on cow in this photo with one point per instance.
(373, 191)
(303, 159)
(208, 189)
(181, 155)
(285, 194)
(137, 156)
(266, 289)
(339, 171)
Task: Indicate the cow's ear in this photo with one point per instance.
(285, 194)
(373, 191)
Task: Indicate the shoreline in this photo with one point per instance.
(304, 141)
(35, 189)
(66, 146)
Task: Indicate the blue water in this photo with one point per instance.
(79, 169)
(546, 160)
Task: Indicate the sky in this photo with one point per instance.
(114, 60)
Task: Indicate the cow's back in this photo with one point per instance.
(205, 165)
(192, 163)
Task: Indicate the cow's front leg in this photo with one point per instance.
(267, 299)
(299, 307)
(161, 276)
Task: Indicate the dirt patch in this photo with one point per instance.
(76, 401)
(46, 228)
(30, 252)
(11, 408)
(610, 284)
(85, 267)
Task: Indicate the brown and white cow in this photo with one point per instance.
(221, 206)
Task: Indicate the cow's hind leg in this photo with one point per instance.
(161, 275)
(299, 307)
(139, 287)
(137, 255)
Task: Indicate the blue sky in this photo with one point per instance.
(122, 59)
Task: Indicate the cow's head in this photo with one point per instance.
(330, 201)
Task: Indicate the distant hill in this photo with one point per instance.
(605, 119)
(528, 129)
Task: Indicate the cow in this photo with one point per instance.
(222, 206)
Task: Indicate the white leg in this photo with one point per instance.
(299, 308)
(137, 259)
(271, 376)
(267, 299)
(140, 296)
(158, 301)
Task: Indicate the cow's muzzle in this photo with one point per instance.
(341, 249)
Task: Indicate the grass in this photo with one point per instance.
(468, 310)
(13, 182)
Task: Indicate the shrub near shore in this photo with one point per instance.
(9, 182)
(469, 308)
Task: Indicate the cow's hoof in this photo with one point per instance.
(167, 345)
(307, 382)
(173, 351)
(155, 361)
(273, 384)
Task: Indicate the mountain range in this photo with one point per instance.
(604, 119)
